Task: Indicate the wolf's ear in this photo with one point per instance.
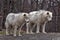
(47, 13)
(24, 15)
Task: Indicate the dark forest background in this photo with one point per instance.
(7, 6)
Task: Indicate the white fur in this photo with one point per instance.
(40, 17)
(15, 20)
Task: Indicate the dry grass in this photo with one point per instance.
(3, 32)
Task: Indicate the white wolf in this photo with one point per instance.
(15, 20)
(40, 17)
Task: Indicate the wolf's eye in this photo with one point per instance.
(47, 13)
(24, 14)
